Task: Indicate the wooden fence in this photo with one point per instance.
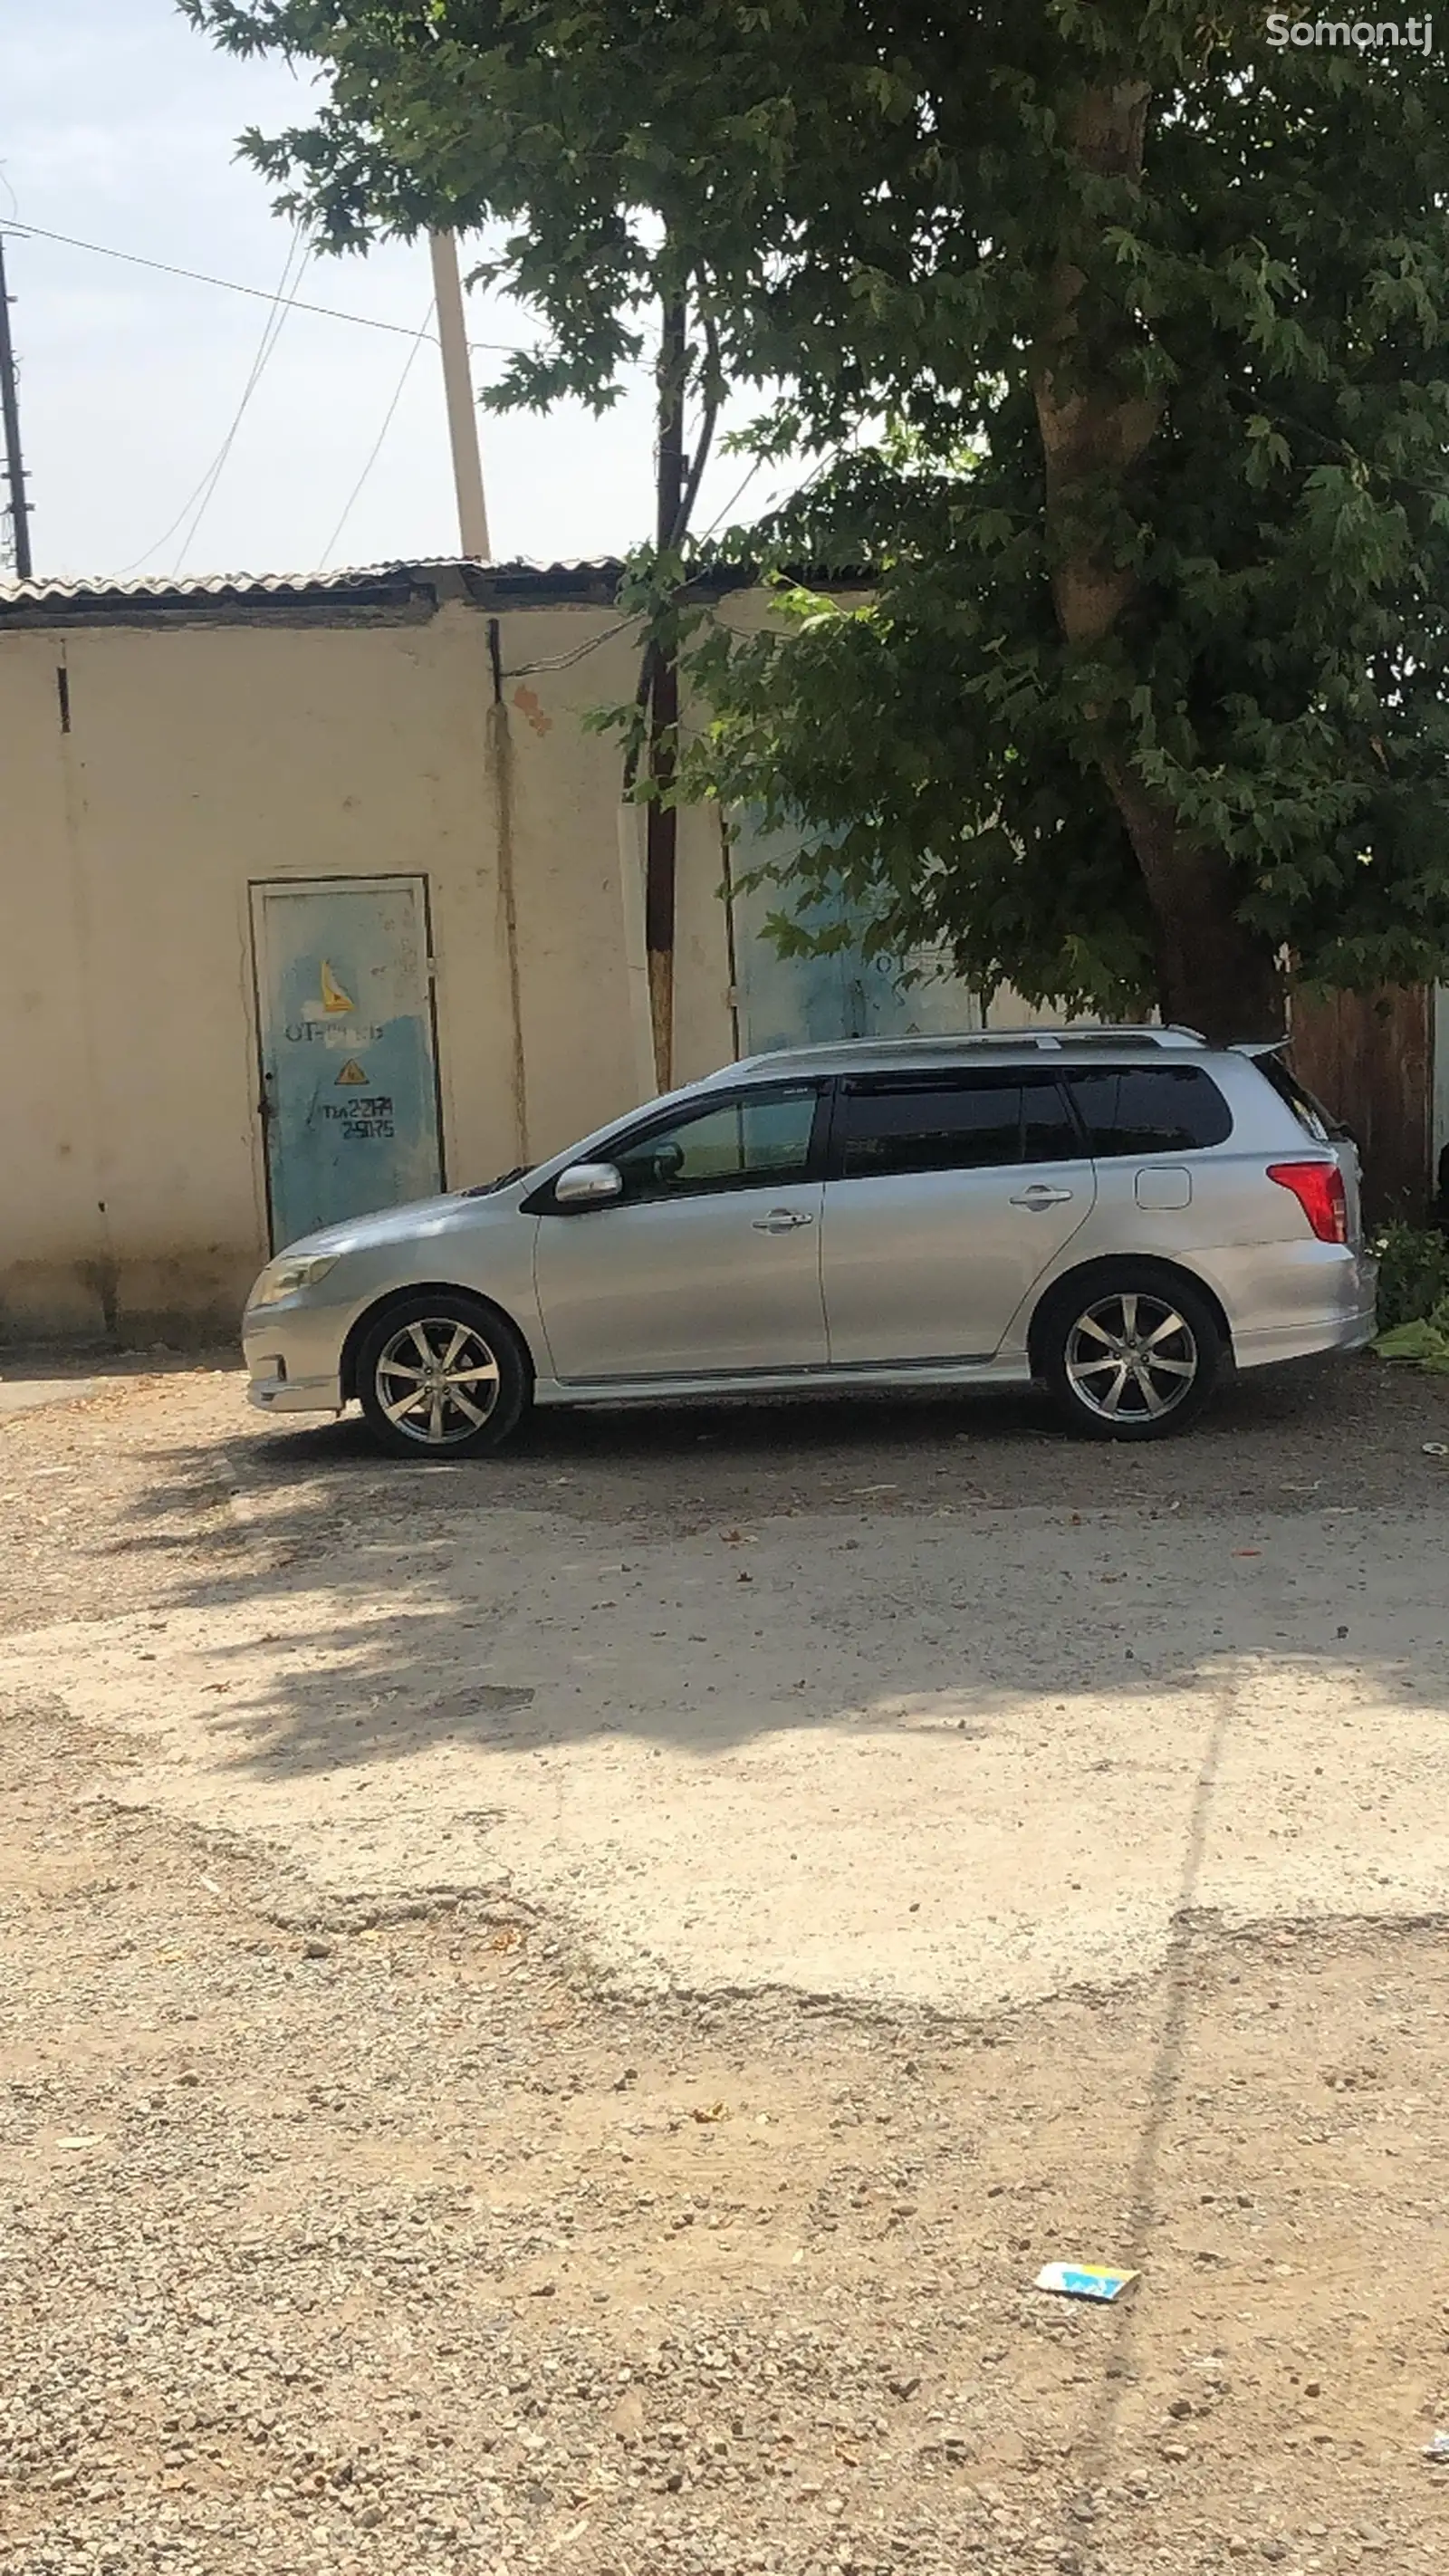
(1370, 1059)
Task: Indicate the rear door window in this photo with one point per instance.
(891, 1124)
(1049, 1132)
(1148, 1108)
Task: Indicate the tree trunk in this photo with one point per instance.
(1212, 974)
(1096, 425)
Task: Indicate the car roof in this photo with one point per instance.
(950, 1052)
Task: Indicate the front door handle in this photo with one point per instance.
(781, 1221)
(1040, 1196)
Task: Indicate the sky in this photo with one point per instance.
(118, 126)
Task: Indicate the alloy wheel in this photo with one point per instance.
(437, 1381)
(1131, 1357)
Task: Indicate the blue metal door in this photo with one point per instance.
(349, 1093)
(839, 992)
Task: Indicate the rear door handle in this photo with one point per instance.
(781, 1221)
(1040, 1196)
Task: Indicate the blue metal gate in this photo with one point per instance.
(842, 993)
(345, 1025)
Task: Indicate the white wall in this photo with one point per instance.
(202, 759)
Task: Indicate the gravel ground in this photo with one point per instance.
(389, 2245)
(381, 2234)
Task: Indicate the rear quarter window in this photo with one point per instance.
(1310, 1113)
(1149, 1108)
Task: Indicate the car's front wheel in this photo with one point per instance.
(1131, 1356)
(440, 1376)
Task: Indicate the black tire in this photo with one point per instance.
(1130, 1353)
(486, 1374)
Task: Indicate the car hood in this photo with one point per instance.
(404, 1224)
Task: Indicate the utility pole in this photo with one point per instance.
(10, 412)
(462, 406)
(661, 845)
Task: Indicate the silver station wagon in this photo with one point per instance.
(1123, 1215)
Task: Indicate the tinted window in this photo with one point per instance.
(934, 1123)
(1149, 1108)
(730, 1144)
(1049, 1133)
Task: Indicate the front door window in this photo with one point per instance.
(734, 1144)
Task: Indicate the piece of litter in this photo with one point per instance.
(1436, 1448)
(1084, 2281)
(211, 1887)
(1438, 2449)
(92, 2139)
(705, 2112)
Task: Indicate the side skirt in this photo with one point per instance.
(806, 1381)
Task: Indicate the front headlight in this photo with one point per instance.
(285, 1278)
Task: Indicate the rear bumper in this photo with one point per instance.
(1324, 1300)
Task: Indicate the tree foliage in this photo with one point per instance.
(1147, 686)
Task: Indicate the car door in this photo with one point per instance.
(710, 1262)
(949, 1193)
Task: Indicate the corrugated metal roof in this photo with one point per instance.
(219, 585)
(365, 584)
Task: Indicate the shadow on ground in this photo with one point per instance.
(702, 1577)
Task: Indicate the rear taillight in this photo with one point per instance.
(1318, 1188)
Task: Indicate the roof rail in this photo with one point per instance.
(1052, 1040)
(1090, 1033)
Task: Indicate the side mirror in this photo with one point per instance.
(588, 1185)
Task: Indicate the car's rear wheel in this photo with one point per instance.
(1130, 1355)
(441, 1376)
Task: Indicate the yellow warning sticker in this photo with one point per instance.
(351, 1077)
(333, 996)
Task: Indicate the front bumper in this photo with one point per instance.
(293, 1359)
(287, 1395)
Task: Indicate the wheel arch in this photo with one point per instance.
(363, 1324)
(1150, 1267)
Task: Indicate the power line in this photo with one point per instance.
(270, 336)
(200, 498)
(229, 285)
(388, 418)
(732, 503)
